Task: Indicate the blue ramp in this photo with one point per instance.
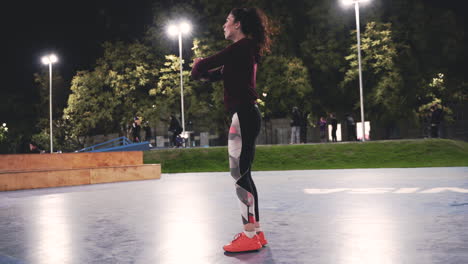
(118, 144)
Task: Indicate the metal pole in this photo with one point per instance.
(50, 107)
(356, 6)
(181, 83)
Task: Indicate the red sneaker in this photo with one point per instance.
(261, 238)
(243, 243)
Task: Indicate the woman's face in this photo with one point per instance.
(231, 28)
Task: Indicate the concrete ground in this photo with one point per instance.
(352, 216)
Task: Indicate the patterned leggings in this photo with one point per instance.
(245, 127)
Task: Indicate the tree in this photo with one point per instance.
(60, 93)
(384, 95)
(283, 82)
(431, 34)
(106, 99)
(167, 93)
(90, 106)
(4, 147)
(322, 47)
(3, 132)
(432, 95)
(211, 113)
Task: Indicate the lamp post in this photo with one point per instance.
(356, 8)
(178, 30)
(49, 60)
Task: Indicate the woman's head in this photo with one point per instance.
(253, 23)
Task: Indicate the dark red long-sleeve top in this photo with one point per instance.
(239, 69)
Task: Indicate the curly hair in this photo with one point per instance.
(256, 25)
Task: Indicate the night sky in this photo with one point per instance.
(74, 30)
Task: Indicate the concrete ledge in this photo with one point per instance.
(17, 180)
(31, 171)
(55, 161)
(125, 173)
(42, 179)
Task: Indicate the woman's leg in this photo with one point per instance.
(298, 135)
(293, 134)
(244, 130)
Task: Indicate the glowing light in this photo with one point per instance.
(185, 27)
(173, 30)
(49, 59)
(45, 60)
(53, 58)
(349, 2)
(181, 28)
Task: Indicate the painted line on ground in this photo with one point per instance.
(380, 190)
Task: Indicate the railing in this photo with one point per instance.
(117, 144)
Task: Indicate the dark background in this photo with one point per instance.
(75, 31)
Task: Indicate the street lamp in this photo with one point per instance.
(49, 60)
(356, 8)
(178, 30)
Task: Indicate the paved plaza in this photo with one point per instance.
(354, 216)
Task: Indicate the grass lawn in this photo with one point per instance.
(373, 154)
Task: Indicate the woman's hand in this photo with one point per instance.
(196, 60)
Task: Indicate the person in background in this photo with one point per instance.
(323, 129)
(334, 124)
(295, 126)
(436, 119)
(33, 148)
(148, 134)
(351, 128)
(136, 128)
(176, 129)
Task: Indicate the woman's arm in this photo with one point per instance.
(202, 66)
(214, 75)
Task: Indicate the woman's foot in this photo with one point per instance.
(242, 243)
(262, 239)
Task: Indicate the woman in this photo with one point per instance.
(323, 129)
(236, 65)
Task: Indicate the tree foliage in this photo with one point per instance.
(106, 99)
(382, 80)
(411, 50)
(3, 132)
(283, 82)
(167, 93)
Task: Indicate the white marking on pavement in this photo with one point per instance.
(370, 190)
(324, 191)
(381, 190)
(443, 189)
(406, 190)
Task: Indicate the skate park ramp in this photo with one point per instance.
(30, 171)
